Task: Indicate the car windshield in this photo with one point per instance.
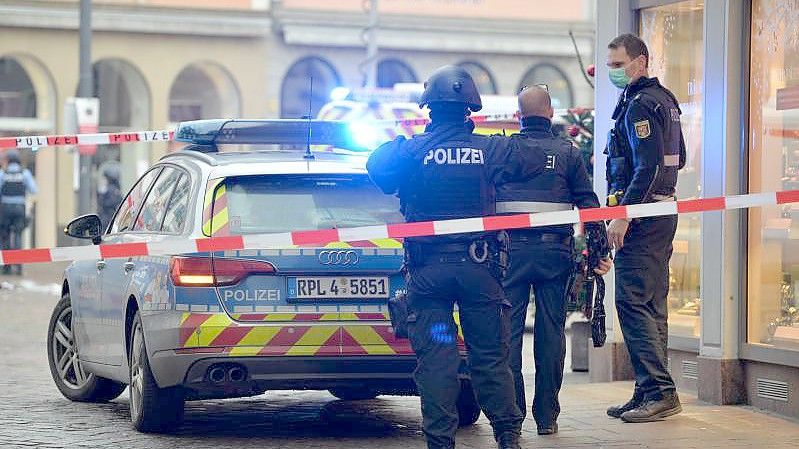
(282, 203)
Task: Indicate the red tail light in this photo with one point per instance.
(203, 272)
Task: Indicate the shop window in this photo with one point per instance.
(673, 34)
(482, 77)
(393, 71)
(560, 88)
(773, 262)
(295, 93)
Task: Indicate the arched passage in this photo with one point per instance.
(560, 89)
(295, 91)
(393, 71)
(203, 90)
(27, 95)
(124, 106)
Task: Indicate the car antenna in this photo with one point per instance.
(308, 154)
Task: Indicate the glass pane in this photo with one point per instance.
(773, 166)
(673, 34)
(175, 216)
(17, 95)
(152, 213)
(130, 205)
(280, 203)
(295, 95)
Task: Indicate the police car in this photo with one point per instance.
(221, 324)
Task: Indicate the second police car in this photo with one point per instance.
(219, 324)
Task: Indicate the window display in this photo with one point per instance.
(773, 271)
(673, 34)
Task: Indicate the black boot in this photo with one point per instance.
(508, 440)
(548, 429)
(666, 405)
(636, 401)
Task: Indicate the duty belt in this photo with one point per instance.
(662, 198)
(530, 235)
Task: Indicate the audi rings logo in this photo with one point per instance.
(345, 257)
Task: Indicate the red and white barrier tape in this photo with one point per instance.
(401, 230)
(166, 135)
(86, 139)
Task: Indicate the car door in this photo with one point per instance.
(114, 273)
(144, 277)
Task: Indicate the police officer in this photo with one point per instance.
(542, 257)
(447, 173)
(645, 151)
(15, 183)
(109, 197)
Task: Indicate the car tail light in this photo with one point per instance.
(207, 272)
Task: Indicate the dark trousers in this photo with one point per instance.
(642, 289)
(434, 285)
(545, 267)
(12, 223)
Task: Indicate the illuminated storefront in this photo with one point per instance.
(733, 307)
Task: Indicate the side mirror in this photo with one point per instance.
(85, 227)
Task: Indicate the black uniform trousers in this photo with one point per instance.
(435, 283)
(642, 288)
(544, 265)
(12, 223)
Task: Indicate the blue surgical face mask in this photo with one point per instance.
(619, 77)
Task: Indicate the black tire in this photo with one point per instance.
(152, 409)
(353, 394)
(468, 408)
(65, 367)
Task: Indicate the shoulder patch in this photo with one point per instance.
(642, 129)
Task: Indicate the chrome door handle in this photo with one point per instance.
(100, 264)
(129, 266)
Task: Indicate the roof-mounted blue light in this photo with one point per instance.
(269, 132)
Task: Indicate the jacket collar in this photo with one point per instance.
(535, 124)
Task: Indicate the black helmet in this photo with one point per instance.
(12, 155)
(451, 84)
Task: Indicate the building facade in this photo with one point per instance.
(733, 309)
(158, 62)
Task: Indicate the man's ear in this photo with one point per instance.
(551, 112)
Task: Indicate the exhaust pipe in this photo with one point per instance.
(216, 374)
(237, 374)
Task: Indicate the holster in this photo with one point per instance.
(398, 313)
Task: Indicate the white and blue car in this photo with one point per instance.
(218, 324)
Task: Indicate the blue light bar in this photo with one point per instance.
(268, 132)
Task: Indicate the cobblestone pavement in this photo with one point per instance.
(34, 414)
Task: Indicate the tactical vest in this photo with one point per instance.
(547, 192)
(665, 108)
(13, 182)
(451, 181)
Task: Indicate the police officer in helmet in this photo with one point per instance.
(645, 151)
(542, 257)
(448, 173)
(16, 182)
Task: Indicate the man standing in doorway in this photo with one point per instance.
(16, 183)
(542, 257)
(645, 151)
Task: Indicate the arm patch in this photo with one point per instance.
(642, 129)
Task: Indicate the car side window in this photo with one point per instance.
(123, 221)
(152, 212)
(177, 210)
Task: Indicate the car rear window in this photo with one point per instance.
(282, 203)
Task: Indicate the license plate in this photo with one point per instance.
(338, 287)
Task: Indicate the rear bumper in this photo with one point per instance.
(383, 374)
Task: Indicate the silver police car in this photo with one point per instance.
(204, 323)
